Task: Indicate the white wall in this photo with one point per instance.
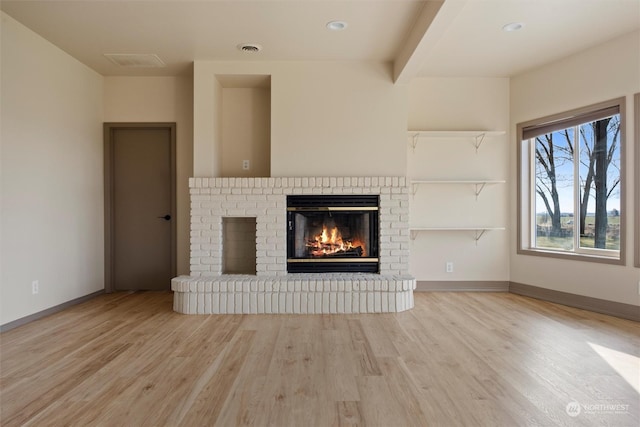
(160, 99)
(601, 73)
(459, 104)
(51, 176)
(337, 118)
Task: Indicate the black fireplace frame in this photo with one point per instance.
(362, 204)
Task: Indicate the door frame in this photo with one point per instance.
(109, 229)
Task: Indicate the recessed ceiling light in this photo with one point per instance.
(249, 47)
(514, 26)
(336, 25)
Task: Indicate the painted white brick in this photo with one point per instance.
(268, 303)
(215, 303)
(340, 308)
(177, 302)
(241, 303)
(260, 297)
(269, 213)
(318, 302)
(282, 302)
(334, 286)
(288, 303)
(363, 302)
(399, 302)
(253, 303)
(296, 302)
(208, 296)
(355, 302)
(231, 302)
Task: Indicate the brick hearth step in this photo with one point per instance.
(293, 294)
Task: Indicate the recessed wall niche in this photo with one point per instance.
(245, 125)
(238, 245)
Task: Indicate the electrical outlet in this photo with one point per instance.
(449, 267)
(35, 287)
(245, 165)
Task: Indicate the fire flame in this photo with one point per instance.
(330, 242)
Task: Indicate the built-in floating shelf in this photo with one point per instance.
(479, 184)
(478, 231)
(477, 136)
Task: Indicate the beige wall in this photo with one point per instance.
(160, 99)
(51, 175)
(601, 73)
(207, 123)
(246, 131)
(337, 118)
(459, 104)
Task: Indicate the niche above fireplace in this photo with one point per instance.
(333, 233)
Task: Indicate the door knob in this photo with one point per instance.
(167, 217)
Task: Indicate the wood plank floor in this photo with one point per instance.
(457, 359)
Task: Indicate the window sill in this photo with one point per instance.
(573, 256)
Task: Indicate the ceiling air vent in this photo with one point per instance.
(136, 60)
(250, 47)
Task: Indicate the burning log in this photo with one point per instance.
(332, 250)
(331, 244)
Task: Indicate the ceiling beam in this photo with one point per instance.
(431, 24)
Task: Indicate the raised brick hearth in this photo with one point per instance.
(272, 290)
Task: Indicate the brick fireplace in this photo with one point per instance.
(266, 286)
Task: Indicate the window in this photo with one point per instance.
(636, 109)
(571, 184)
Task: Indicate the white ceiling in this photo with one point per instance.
(474, 43)
(465, 38)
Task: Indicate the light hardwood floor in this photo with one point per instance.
(468, 359)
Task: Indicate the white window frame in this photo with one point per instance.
(526, 187)
(636, 110)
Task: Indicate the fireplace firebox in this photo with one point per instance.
(337, 233)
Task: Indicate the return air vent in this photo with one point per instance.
(136, 60)
(250, 47)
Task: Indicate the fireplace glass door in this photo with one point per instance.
(332, 234)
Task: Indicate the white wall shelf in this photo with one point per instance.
(477, 136)
(479, 184)
(478, 231)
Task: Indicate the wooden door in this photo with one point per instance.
(140, 206)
